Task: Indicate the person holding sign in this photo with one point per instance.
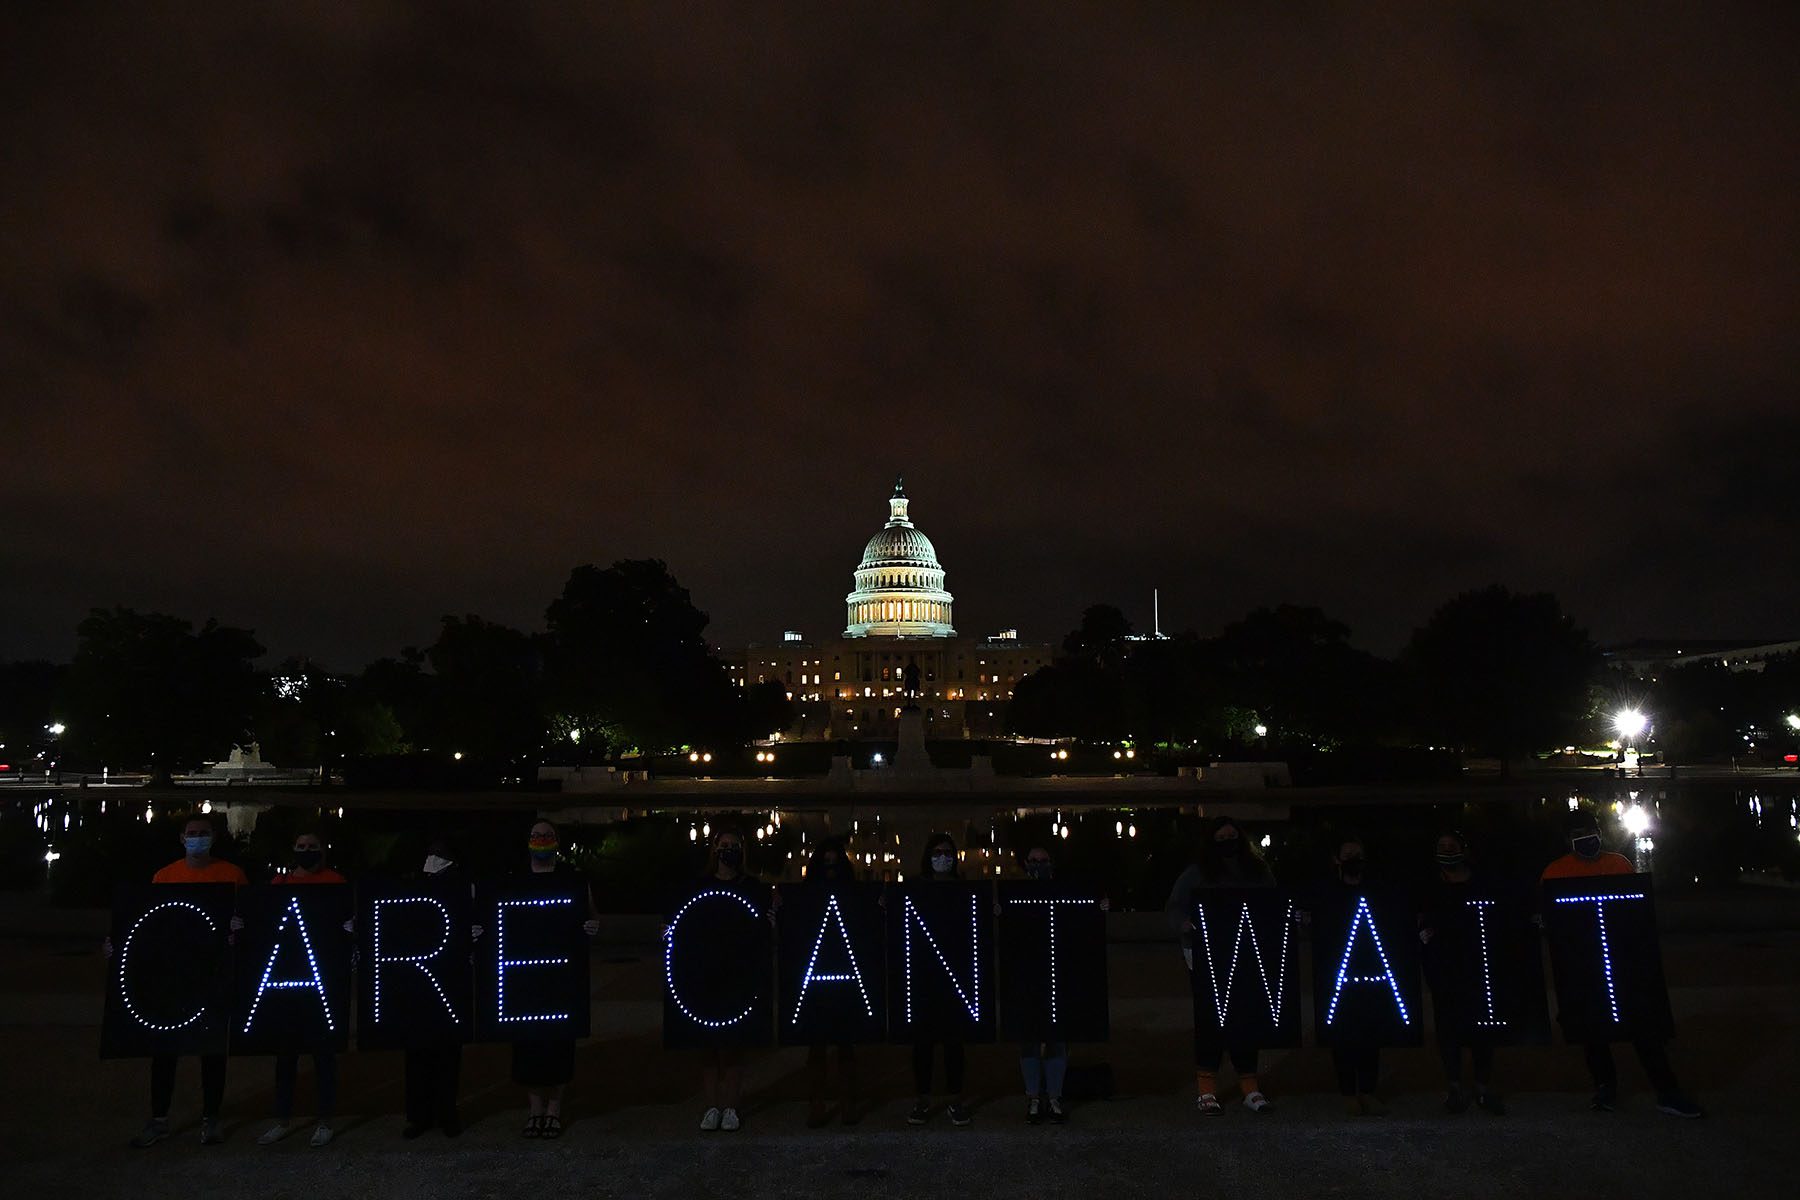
(1443, 934)
(722, 1067)
(309, 867)
(830, 866)
(434, 1067)
(196, 865)
(939, 865)
(1587, 857)
(1226, 860)
(544, 1068)
(1357, 1062)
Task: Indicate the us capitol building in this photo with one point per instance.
(850, 686)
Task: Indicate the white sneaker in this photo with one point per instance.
(730, 1123)
(322, 1135)
(1257, 1102)
(274, 1133)
(710, 1121)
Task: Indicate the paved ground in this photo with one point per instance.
(66, 1115)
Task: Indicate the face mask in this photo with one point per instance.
(730, 856)
(308, 859)
(196, 846)
(943, 864)
(1038, 870)
(1351, 868)
(543, 847)
(1587, 845)
(436, 864)
(1227, 847)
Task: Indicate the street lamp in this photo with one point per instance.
(1262, 730)
(56, 728)
(1630, 722)
(1793, 720)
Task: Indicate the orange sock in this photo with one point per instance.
(1247, 1084)
(1207, 1082)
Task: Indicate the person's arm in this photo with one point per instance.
(1175, 909)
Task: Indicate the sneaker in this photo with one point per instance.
(154, 1131)
(1491, 1103)
(322, 1136)
(1058, 1114)
(921, 1113)
(1034, 1111)
(1678, 1106)
(1256, 1102)
(1372, 1105)
(1456, 1100)
(959, 1116)
(709, 1121)
(274, 1133)
(211, 1132)
(1209, 1105)
(730, 1122)
(1606, 1098)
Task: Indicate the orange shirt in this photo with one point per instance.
(322, 875)
(1571, 866)
(216, 871)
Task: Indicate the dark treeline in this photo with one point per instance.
(622, 666)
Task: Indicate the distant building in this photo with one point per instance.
(899, 613)
(1648, 656)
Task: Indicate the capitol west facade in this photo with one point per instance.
(899, 613)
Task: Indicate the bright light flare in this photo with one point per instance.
(1630, 722)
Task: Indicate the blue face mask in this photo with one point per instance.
(196, 846)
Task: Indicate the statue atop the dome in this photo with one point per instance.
(909, 683)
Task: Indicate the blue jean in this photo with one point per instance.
(1046, 1063)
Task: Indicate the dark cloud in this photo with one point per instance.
(328, 319)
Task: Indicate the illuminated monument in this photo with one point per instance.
(898, 615)
(900, 585)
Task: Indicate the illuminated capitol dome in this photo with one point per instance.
(900, 584)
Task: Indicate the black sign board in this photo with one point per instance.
(1485, 967)
(414, 982)
(1246, 978)
(1366, 969)
(832, 965)
(1052, 943)
(293, 969)
(940, 962)
(718, 990)
(1607, 958)
(168, 987)
(531, 963)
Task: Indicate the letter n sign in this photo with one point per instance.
(1366, 969)
(833, 970)
(413, 985)
(1607, 958)
(531, 964)
(168, 986)
(293, 969)
(1052, 939)
(717, 987)
(1246, 985)
(940, 962)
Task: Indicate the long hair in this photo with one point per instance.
(935, 840)
(815, 866)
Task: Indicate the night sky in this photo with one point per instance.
(330, 318)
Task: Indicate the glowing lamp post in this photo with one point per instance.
(1629, 724)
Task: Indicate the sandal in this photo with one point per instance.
(534, 1127)
(551, 1126)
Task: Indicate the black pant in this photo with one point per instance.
(953, 1067)
(162, 1083)
(432, 1073)
(1651, 1052)
(1357, 1067)
(287, 1071)
(1209, 1052)
(1480, 1053)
